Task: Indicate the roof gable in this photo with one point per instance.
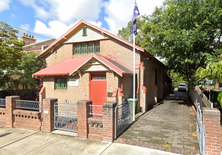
(92, 35)
(76, 28)
(71, 65)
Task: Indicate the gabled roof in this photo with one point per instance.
(38, 46)
(76, 27)
(71, 65)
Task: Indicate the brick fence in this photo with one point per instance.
(211, 120)
(101, 128)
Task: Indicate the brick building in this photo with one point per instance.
(89, 63)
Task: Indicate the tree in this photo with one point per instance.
(127, 33)
(213, 71)
(10, 46)
(19, 79)
(185, 32)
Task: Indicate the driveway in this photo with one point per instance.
(169, 126)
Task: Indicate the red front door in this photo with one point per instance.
(98, 88)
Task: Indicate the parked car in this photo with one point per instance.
(182, 87)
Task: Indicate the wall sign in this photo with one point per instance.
(46, 111)
(74, 82)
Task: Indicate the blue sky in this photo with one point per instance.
(51, 18)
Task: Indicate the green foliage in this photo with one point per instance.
(10, 46)
(177, 78)
(185, 33)
(212, 71)
(20, 77)
(219, 99)
(127, 33)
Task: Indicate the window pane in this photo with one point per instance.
(84, 48)
(97, 47)
(77, 48)
(98, 76)
(65, 83)
(59, 82)
(90, 47)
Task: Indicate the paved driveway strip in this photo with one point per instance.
(29, 142)
(169, 126)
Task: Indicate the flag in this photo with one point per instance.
(136, 13)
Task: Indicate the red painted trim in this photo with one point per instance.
(115, 91)
(155, 87)
(144, 90)
(161, 85)
(60, 90)
(42, 90)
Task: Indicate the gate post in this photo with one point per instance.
(211, 120)
(10, 106)
(83, 115)
(109, 121)
(48, 114)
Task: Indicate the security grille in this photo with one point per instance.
(65, 117)
(122, 117)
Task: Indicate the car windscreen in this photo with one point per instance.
(182, 85)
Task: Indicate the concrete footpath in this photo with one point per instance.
(28, 142)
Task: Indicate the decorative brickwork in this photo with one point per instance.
(48, 115)
(27, 119)
(2, 116)
(211, 120)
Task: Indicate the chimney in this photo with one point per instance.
(28, 38)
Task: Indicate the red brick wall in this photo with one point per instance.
(2, 116)
(211, 120)
(27, 119)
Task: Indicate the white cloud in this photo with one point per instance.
(25, 27)
(120, 12)
(4, 5)
(55, 28)
(65, 11)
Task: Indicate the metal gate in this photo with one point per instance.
(65, 117)
(200, 130)
(122, 117)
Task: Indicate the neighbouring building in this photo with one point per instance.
(89, 63)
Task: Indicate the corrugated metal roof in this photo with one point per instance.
(71, 65)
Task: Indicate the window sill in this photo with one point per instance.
(60, 90)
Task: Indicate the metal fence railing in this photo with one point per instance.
(29, 105)
(205, 100)
(2, 103)
(96, 110)
(122, 117)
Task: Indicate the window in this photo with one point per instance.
(98, 76)
(97, 47)
(90, 47)
(61, 83)
(86, 48)
(84, 31)
(77, 49)
(156, 77)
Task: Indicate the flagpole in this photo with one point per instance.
(134, 77)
